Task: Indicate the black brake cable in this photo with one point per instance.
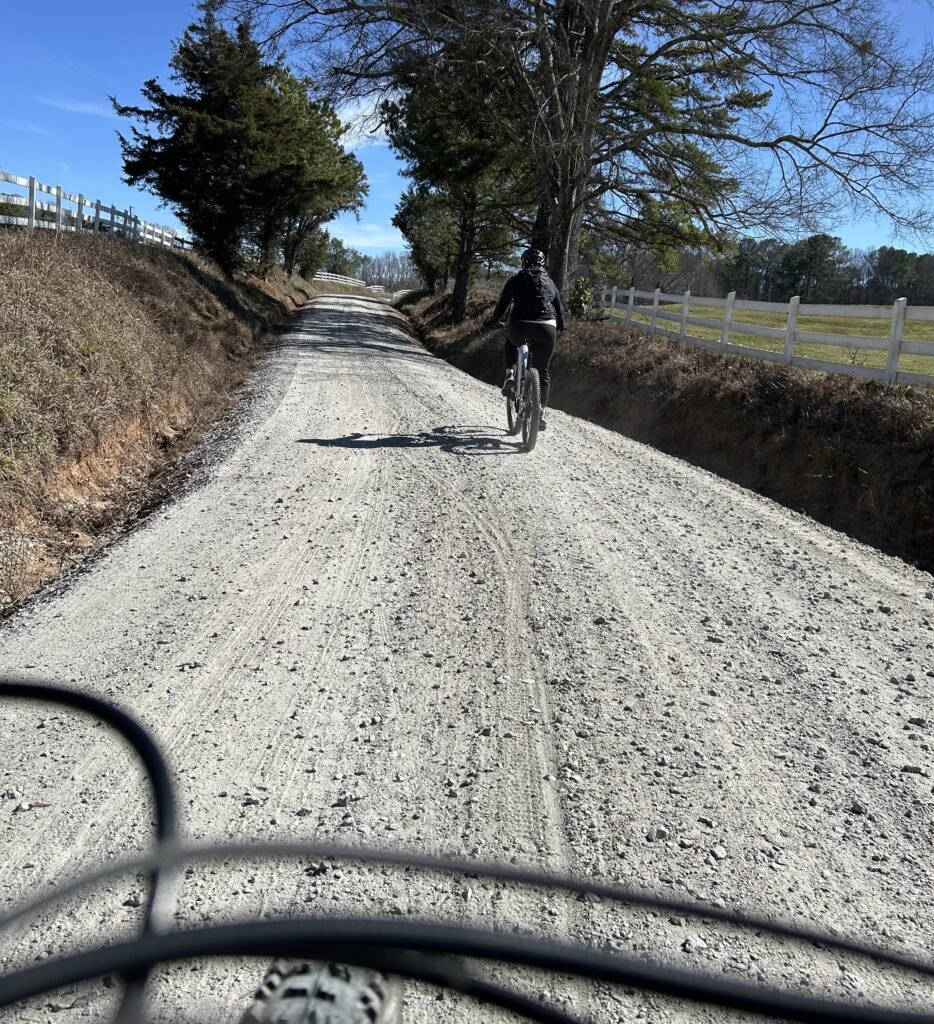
(442, 971)
(171, 855)
(157, 912)
(359, 940)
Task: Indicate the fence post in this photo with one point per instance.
(684, 312)
(58, 207)
(113, 222)
(727, 319)
(97, 216)
(658, 293)
(79, 215)
(31, 215)
(613, 301)
(895, 340)
(632, 300)
(791, 327)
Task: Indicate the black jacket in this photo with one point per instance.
(518, 291)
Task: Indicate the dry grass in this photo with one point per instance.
(112, 356)
(852, 453)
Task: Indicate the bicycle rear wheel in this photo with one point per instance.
(310, 992)
(533, 410)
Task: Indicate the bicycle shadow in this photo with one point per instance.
(453, 440)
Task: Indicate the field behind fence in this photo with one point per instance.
(894, 344)
(68, 211)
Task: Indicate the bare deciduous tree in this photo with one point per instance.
(684, 118)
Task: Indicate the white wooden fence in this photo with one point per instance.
(80, 214)
(624, 304)
(323, 275)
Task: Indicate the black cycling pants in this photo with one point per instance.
(541, 341)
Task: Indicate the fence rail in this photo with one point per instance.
(80, 214)
(323, 275)
(629, 304)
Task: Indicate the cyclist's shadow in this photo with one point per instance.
(454, 440)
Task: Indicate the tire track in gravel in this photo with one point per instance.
(512, 582)
(511, 561)
(744, 719)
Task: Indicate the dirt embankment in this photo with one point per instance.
(850, 453)
(113, 358)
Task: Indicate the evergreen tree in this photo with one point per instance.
(241, 154)
(426, 220)
(211, 134)
(342, 259)
(457, 149)
(306, 176)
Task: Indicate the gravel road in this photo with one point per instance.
(374, 620)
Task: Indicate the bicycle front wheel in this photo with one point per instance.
(533, 410)
(315, 993)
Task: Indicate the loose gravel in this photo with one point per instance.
(375, 620)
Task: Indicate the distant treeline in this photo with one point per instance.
(819, 269)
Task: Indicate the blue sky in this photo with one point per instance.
(56, 122)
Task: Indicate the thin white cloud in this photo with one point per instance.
(32, 129)
(78, 107)
(358, 142)
(368, 236)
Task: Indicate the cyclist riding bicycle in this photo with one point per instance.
(537, 314)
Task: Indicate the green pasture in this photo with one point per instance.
(857, 326)
(15, 210)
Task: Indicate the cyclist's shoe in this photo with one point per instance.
(509, 386)
(541, 423)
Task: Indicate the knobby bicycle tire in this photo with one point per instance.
(533, 410)
(312, 992)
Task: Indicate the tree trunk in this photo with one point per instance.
(566, 224)
(459, 296)
(541, 230)
(268, 237)
(291, 246)
(466, 244)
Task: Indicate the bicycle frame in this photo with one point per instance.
(522, 362)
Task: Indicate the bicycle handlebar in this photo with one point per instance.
(415, 949)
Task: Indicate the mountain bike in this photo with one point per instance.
(331, 970)
(524, 405)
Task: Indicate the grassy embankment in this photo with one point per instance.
(850, 453)
(113, 358)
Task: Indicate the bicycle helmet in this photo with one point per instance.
(533, 258)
